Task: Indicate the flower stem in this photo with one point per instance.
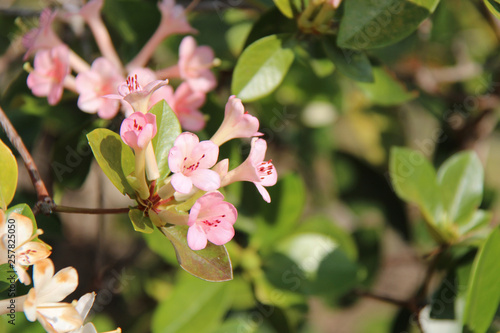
(103, 40)
(77, 210)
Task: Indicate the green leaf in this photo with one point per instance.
(414, 180)
(336, 275)
(8, 175)
(262, 67)
(461, 181)
(443, 300)
(494, 7)
(194, 306)
(370, 24)
(168, 130)
(353, 64)
(141, 222)
(285, 7)
(272, 22)
(210, 264)
(160, 245)
(115, 158)
(483, 295)
(479, 219)
(386, 90)
(7, 277)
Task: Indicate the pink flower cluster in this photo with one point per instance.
(193, 166)
(57, 67)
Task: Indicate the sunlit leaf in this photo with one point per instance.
(8, 175)
(140, 222)
(483, 295)
(115, 158)
(194, 306)
(461, 181)
(285, 7)
(168, 130)
(211, 264)
(262, 67)
(370, 24)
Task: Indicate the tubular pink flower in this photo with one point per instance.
(190, 160)
(138, 130)
(102, 79)
(133, 93)
(254, 169)
(47, 78)
(185, 103)
(236, 124)
(91, 14)
(195, 63)
(173, 21)
(211, 219)
(42, 37)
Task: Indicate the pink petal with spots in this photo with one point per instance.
(196, 238)
(221, 234)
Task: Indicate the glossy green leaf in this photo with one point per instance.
(115, 158)
(168, 130)
(478, 220)
(7, 277)
(414, 180)
(8, 176)
(336, 275)
(353, 64)
(386, 90)
(262, 67)
(285, 7)
(211, 264)
(25, 210)
(461, 180)
(370, 24)
(194, 306)
(140, 222)
(483, 295)
(494, 7)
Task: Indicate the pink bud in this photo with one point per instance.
(50, 69)
(138, 130)
(211, 219)
(236, 124)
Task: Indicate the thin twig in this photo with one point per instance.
(76, 210)
(17, 142)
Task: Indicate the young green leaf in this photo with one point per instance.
(461, 181)
(168, 130)
(483, 295)
(285, 7)
(8, 176)
(140, 222)
(414, 180)
(115, 158)
(262, 67)
(7, 277)
(386, 90)
(211, 264)
(370, 24)
(193, 306)
(353, 64)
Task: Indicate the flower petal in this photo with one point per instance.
(221, 233)
(196, 237)
(181, 183)
(204, 179)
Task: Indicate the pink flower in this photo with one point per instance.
(133, 93)
(102, 79)
(211, 219)
(195, 63)
(185, 103)
(173, 21)
(51, 68)
(42, 37)
(190, 160)
(254, 169)
(138, 130)
(236, 124)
